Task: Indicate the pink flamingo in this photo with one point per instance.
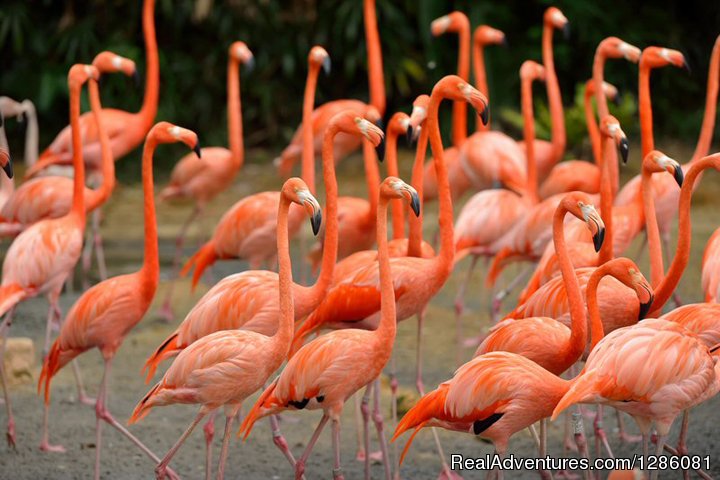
(203, 179)
(41, 258)
(224, 368)
(317, 376)
(107, 312)
(26, 113)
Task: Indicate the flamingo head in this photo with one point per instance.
(610, 127)
(393, 187)
(656, 162)
(399, 124)
(80, 73)
(487, 35)
(452, 87)
(452, 22)
(419, 114)
(657, 57)
(610, 90)
(613, 47)
(240, 52)
(629, 274)
(556, 19)
(166, 132)
(580, 205)
(319, 57)
(297, 191)
(108, 62)
(531, 71)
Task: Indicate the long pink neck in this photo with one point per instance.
(418, 173)
(529, 137)
(374, 53)
(593, 129)
(554, 97)
(152, 62)
(100, 195)
(708, 125)
(78, 199)
(578, 321)
(385, 333)
(398, 208)
(657, 269)
(459, 126)
(234, 112)
(599, 78)
(645, 105)
(480, 79)
(372, 177)
(606, 200)
(151, 265)
(597, 331)
(682, 251)
(308, 151)
(284, 333)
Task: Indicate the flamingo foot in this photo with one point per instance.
(376, 456)
(11, 434)
(86, 400)
(166, 313)
(45, 446)
(299, 470)
(447, 474)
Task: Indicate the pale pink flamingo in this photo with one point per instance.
(203, 179)
(40, 259)
(103, 316)
(224, 368)
(26, 113)
(324, 373)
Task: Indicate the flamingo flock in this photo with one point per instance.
(588, 327)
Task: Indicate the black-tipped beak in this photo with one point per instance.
(485, 115)
(316, 221)
(327, 65)
(250, 65)
(409, 136)
(686, 66)
(100, 80)
(624, 148)
(645, 308)
(415, 203)
(504, 42)
(618, 99)
(9, 168)
(566, 31)
(380, 150)
(196, 149)
(136, 79)
(598, 239)
(679, 176)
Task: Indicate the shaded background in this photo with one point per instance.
(40, 39)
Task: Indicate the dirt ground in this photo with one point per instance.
(73, 425)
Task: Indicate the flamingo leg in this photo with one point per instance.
(209, 430)
(460, 308)
(279, 440)
(601, 439)
(102, 413)
(300, 465)
(542, 450)
(45, 444)
(580, 440)
(682, 437)
(82, 395)
(394, 412)
(658, 451)
(4, 330)
(225, 444)
(337, 468)
(166, 309)
(365, 409)
(54, 315)
(379, 426)
(624, 436)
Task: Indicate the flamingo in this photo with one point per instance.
(318, 375)
(203, 179)
(51, 196)
(224, 368)
(41, 258)
(245, 229)
(711, 268)
(5, 161)
(321, 117)
(105, 314)
(25, 112)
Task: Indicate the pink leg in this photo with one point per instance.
(300, 465)
(624, 436)
(682, 437)
(378, 421)
(580, 439)
(280, 442)
(45, 444)
(166, 309)
(418, 361)
(393, 409)
(460, 309)
(226, 442)
(337, 469)
(4, 330)
(209, 429)
(102, 413)
(600, 436)
(82, 395)
(658, 451)
(365, 409)
(54, 315)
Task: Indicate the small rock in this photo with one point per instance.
(19, 360)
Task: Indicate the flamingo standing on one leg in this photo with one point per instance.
(107, 312)
(226, 367)
(345, 144)
(203, 179)
(41, 258)
(324, 373)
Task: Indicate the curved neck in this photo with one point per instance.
(102, 193)
(374, 52)
(480, 79)
(388, 325)
(418, 174)
(682, 251)
(606, 199)
(578, 321)
(526, 100)
(593, 129)
(151, 264)
(646, 121)
(597, 331)
(308, 151)
(554, 97)
(657, 269)
(445, 215)
(398, 208)
(284, 332)
(7, 185)
(459, 125)
(78, 199)
(708, 124)
(372, 176)
(330, 244)
(31, 136)
(152, 65)
(599, 78)
(234, 113)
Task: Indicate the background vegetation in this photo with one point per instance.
(39, 39)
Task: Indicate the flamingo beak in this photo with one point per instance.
(409, 136)
(624, 147)
(598, 239)
(196, 149)
(679, 176)
(485, 115)
(250, 64)
(504, 42)
(618, 99)
(645, 307)
(8, 168)
(326, 65)
(566, 31)
(415, 203)
(136, 78)
(316, 221)
(380, 148)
